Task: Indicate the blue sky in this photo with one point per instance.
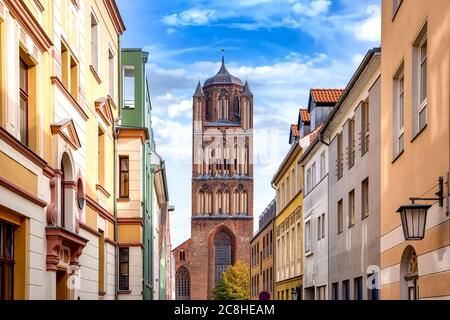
(282, 47)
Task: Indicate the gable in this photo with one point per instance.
(66, 129)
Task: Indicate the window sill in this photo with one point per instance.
(124, 291)
(398, 156)
(419, 133)
(95, 74)
(365, 217)
(308, 253)
(351, 225)
(123, 200)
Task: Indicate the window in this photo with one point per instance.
(399, 112)
(124, 265)
(6, 261)
(307, 236)
(351, 143)
(313, 175)
(94, 42)
(271, 243)
(222, 255)
(24, 102)
(395, 6)
(298, 241)
(372, 293)
(420, 82)
(124, 187)
(322, 165)
(101, 157)
(321, 293)
(183, 284)
(299, 183)
(340, 216)
(358, 287)
(293, 188)
(364, 127)
(112, 73)
(335, 291)
(365, 198)
(182, 255)
(288, 190)
(283, 196)
(346, 290)
(351, 208)
(129, 87)
(340, 156)
(319, 228)
(308, 181)
(101, 264)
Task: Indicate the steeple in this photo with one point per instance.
(223, 76)
(247, 91)
(199, 91)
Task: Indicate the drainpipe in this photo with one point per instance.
(116, 227)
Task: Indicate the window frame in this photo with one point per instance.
(126, 276)
(95, 28)
(24, 96)
(126, 103)
(340, 216)
(365, 198)
(351, 208)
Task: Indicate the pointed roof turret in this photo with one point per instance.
(247, 91)
(199, 91)
(223, 76)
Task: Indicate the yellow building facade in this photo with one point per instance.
(262, 252)
(288, 259)
(59, 95)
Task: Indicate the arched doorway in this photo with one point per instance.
(223, 254)
(409, 275)
(183, 284)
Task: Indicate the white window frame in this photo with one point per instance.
(308, 237)
(421, 61)
(398, 92)
(97, 21)
(133, 105)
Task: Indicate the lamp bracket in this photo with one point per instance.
(439, 194)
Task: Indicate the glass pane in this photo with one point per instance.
(123, 268)
(23, 120)
(423, 118)
(1, 241)
(9, 242)
(124, 164)
(423, 81)
(129, 84)
(23, 76)
(9, 281)
(401, 112)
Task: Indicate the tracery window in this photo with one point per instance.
(183, 284)
(222, 255)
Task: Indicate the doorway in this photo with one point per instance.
(62, 291)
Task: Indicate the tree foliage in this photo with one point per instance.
(235, 284)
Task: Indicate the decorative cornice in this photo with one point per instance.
(131, 244)
(95, 74)
(131, 221)
(87, 228)
(58, 237)
(39, 5)
(19, 147)
(137, 133)
(24, 194)
(22, 14)
(114, 14)
(103, 107)
(56, 81)
(102, 189)
(72, 138)
(99, 209)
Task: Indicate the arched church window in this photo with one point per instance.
(222, 255)
(183, 284)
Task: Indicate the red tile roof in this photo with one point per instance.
(326, 95)
(306, 117)
(295, 131)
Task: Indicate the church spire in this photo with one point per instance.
(247, 91)
(199, 91)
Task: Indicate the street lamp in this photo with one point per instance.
(296, 293)
(414, 216)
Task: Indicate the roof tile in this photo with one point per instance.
(326, 95)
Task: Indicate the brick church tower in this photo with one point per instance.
(222, 185)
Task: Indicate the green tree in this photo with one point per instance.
(235, 284)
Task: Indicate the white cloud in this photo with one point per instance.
(183, 108)
(369, 29)
(312, 8)
(191, 17)
(171, 31)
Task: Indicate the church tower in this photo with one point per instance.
(222, 181)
